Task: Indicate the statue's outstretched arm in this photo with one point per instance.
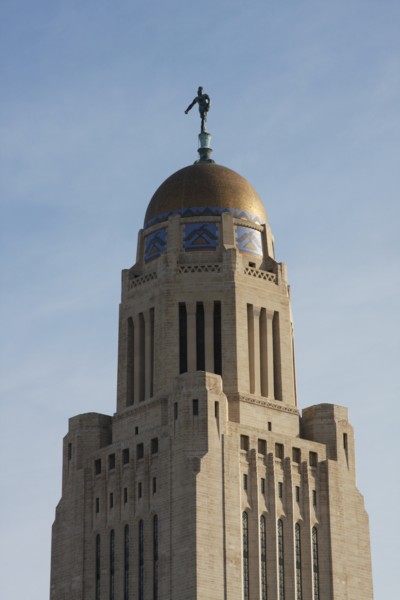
(191, 106)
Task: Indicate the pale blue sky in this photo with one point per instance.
(306, 98)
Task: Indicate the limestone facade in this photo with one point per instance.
(207, 483)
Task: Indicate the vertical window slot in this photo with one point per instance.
(155, 557)
(245, 544)
(98, 567)
(130, 363)
(183, 359)
(126, 562)
(151, 365)
(281, 562)
(195, 408)
(298, 562)
(142, 365)
(315, 563)
(263, 353)
(276, 345)
(112, 564)
(250, 336)
(263, 556)
(217, 339)
(200, 338)
(141, 561)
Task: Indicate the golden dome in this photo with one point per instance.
(205, 188)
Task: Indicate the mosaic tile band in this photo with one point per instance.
(155, 244)
(248, 240)
(200, 236)
(204, 211)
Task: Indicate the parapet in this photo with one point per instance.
(90, 420)
(325, 423)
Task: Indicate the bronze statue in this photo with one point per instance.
(204, 102)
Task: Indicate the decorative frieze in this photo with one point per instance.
(210, 268)
(268, 404)
(138, 281)
(259, 274)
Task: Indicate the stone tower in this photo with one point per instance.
(206, 483)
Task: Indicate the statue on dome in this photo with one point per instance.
(204, 102)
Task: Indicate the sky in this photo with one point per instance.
(305, 105)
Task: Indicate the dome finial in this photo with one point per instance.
(204, 102)
(204, 148)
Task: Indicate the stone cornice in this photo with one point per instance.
(267, 404)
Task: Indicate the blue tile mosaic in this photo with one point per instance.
(155, 244)
(204, 211)
(248, 240)
(200, 236)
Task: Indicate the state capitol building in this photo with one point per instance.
(208, 483)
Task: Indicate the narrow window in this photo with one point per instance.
(182, 338)
(97, 466)
(141, 561)
(130, 363)
(244, 442)
(245, 481)
(217, 339)
(263, 556)
(175, 411)
(298, 561)
(280, 489)
(69, 451)
(136, 430)
(296, 455)
(262, 486)
(314, 498)
(250, 341)
(195, 403)
(98, 570)
(111, 461)
(125, 456)
(151, 365)
(112, 564)
(315, 563)
(125, 495)
(313, 459)
(154, 446)
(276, 346)
(263, 352)
(154, 485)
(111, 500)
(262, 447)
(139, 489)
(126, 562)
(279, 451)
(216, 410)
(269, 426)
(200, 338)
(345, 447)
(139, 451)
(155, 557)
(245, 534)
(297, 493)
(281, 565)
(97, 504)
(142, 354)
